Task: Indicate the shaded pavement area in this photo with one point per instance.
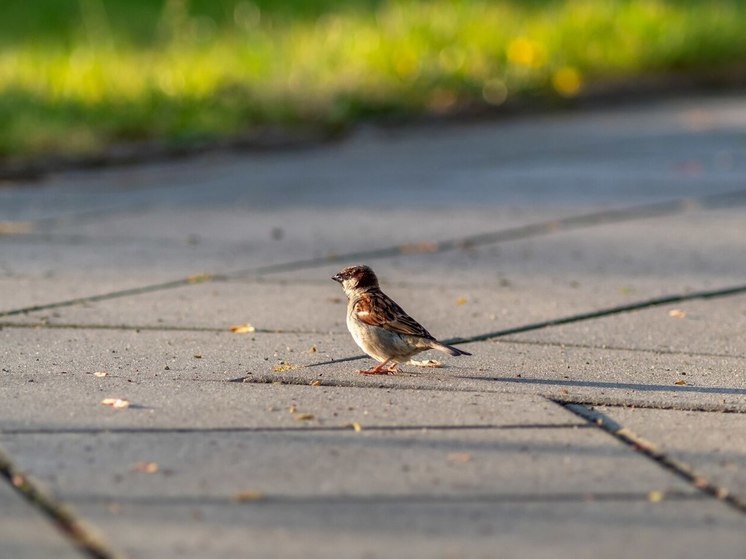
(594, 264)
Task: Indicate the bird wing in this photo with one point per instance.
(377, 309)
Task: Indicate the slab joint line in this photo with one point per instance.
(651, 451)
(79, 535)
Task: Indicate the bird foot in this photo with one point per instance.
(381, 370)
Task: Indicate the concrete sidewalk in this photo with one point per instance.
(593, 263)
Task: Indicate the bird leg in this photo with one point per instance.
(382, 368)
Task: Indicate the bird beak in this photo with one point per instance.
(337, 277)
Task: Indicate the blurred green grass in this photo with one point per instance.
(77, 76)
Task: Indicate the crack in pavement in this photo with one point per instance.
(673, 207)
(77, 533)
(650, 450)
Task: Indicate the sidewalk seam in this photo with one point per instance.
(651, 451)
(77, 533)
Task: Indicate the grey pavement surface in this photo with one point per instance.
(593, 263)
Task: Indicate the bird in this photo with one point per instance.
(379, 326)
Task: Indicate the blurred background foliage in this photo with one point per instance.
(77, 76)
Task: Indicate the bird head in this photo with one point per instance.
(356, 278)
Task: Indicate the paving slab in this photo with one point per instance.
(26, 534)
(700, 326)
(448, 311)
(502, 481)
(503, 286)
(303, 470)
(20, 292)
(73, 402)
(694, 246)
(714, 444)
(568, 373)
(701, 248)
(440, 529)
(471, 463)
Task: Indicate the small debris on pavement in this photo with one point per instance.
(459, 457)
(199, 278)
(677, 313)
(116, 403)
(414, 248)
(145, 467)
(248, 496)
(100, 374)
(656, 496)
(243, 329)
(432, 363)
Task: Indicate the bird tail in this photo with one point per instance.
(449, 349)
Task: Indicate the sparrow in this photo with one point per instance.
(381, 327)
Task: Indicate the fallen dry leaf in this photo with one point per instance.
(680, 382)
(356, 426)
(316, 382)
(100, 374)
(459, 457)
(145, 467)
(199, 278)
(677, 313)
(116, 403)
(656, 496)
(303, 416)
(243, 329)
(16, 227)
(462, 301)
(312, 349)
(198, 356)
(248, 496)
(425, 246)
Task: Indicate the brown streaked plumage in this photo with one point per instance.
(381, 327)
